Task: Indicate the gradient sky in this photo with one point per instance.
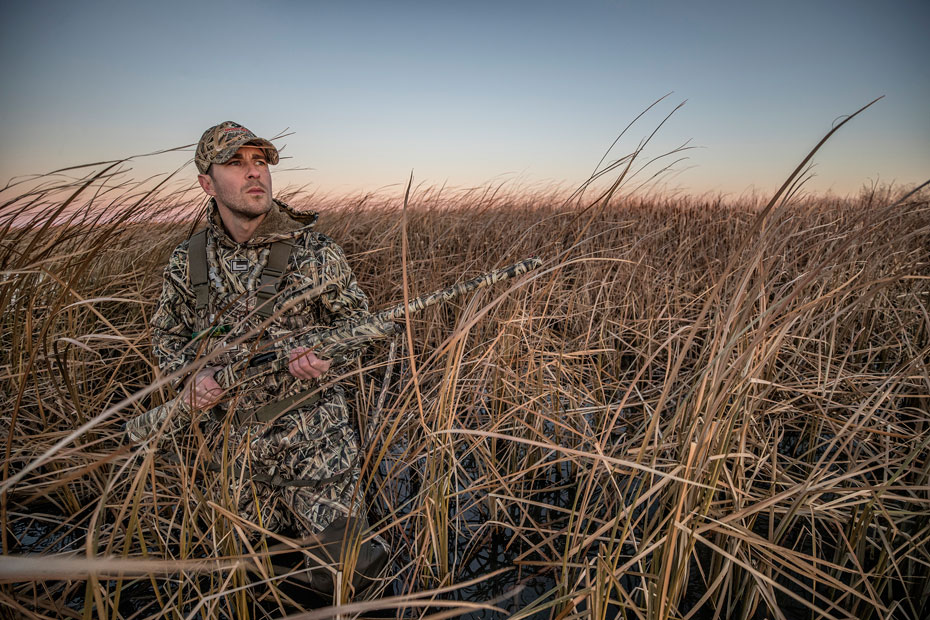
(464, 93)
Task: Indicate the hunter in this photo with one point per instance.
(257, 273)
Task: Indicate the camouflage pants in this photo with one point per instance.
(309, 444)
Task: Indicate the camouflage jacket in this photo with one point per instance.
(316, 263)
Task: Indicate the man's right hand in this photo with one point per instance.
(202, 391)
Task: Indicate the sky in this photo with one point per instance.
(469, 93)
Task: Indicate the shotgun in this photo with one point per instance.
(332, 343)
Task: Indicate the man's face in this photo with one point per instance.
(242, 185)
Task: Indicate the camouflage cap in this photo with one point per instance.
(219, 143)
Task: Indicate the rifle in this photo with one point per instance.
(333, 343)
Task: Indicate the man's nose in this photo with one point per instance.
(252, 170)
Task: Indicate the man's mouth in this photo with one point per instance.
(255, 190)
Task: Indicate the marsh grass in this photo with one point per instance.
(694, 410)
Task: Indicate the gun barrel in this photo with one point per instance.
(379, 325)
(512, 271)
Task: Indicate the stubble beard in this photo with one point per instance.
(244, 205)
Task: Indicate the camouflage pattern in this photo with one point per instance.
(487, 279)
(219, 143)
(318, 291)
(341, 341)
(334, 343)
(310, 444)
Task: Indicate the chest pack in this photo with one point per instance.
(268, 285)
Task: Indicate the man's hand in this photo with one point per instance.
(202, 391)
(304, 364)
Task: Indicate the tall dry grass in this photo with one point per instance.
(695, 410)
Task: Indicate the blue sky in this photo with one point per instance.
(464, 93)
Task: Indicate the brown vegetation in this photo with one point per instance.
(693, 410)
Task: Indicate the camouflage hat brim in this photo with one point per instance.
(219, 143)
(226, 154)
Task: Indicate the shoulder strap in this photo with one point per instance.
(271, 277)
(197, 266)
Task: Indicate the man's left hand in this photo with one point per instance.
(304, 364)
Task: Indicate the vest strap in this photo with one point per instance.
(271, 277)
(197, 265)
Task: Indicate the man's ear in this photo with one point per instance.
(207, 184)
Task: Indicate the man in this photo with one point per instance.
(254, 276)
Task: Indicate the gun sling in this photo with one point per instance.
(268, 412)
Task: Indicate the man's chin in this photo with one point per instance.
(249, 210)
(258, 204)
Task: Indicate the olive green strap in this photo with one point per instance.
(271, 277)
(197, 265)
(270, 411)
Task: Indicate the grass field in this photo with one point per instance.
(693, 410)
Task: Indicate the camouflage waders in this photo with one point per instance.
(301, 470)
